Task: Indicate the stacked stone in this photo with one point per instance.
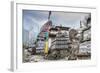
(61, 41)
(40, 45)
(85, 43)
(74, 50)
(59, 47)
(85, 38)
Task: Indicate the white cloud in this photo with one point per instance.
(34, 20)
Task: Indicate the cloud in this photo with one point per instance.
(33, 20)
(33, 25)
(68, 19)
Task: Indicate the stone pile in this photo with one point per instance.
(59, 48)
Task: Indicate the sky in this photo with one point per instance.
(34, 19)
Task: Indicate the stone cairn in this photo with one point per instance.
(74, 46)
(59, 48)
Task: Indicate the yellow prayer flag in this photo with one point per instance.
(46, 47)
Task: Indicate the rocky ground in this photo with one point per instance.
(54, 56)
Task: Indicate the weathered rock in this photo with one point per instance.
(72, 57)
(72, 34)
(54, 55)
(74, 44)
(26, 55)
(36, 58)
(58, 54)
